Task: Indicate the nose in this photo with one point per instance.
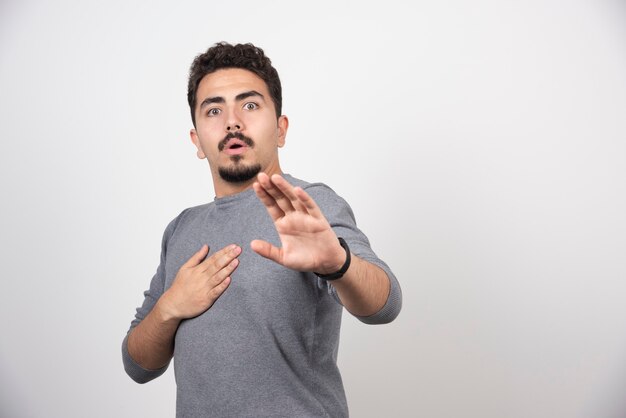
(233, 124)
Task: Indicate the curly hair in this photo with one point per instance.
(224, 55)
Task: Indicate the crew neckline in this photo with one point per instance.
(244, 194)
(233, 197)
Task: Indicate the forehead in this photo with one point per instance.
(228, 82)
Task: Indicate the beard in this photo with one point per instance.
(239, 173)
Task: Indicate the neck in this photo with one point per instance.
(224, 188)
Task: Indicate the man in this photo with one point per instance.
(248, 295)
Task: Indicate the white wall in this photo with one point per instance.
(481, 145)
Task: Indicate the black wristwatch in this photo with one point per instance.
(339, 274)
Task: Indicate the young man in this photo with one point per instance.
(249, 292)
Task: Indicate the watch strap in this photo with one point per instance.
(339, 274)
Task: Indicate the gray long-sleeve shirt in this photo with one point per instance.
(268, 346)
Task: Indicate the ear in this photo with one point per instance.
(194, 138)
(283, 125)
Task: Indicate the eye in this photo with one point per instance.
(250, 106)
(213, 112)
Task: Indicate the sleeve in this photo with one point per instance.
(342, 220)
(151, 296)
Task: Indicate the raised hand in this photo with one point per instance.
(308, 243)
(199, 283)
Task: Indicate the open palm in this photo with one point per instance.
(308, 243)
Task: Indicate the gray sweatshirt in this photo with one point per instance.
(268, 346)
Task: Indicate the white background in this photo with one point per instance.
(480, 143)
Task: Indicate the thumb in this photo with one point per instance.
(197, 258)
(267, 250)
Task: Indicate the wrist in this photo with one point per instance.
(340, 264)
(338, 260)
(165, 310)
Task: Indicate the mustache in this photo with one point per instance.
(247, 140)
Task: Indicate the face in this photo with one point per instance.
(236, 127)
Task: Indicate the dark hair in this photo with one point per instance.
(224, 55)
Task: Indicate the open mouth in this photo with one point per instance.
(235, 146)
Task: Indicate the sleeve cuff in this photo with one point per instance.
(134, 370)
(390, 310)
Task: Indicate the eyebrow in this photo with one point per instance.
(239, 97)
(247, 94)
(210, 100)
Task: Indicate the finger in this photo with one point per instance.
(220, 259)
(224, 273)
(197, 258)
(267, 250)
(309, 203)
(268, 201)
(288, 190)
(270, 188)
(217, 291)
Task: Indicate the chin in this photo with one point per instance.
(239, 173)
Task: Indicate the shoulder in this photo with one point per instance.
(316, 190)
(186, 216)
(332, 205)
